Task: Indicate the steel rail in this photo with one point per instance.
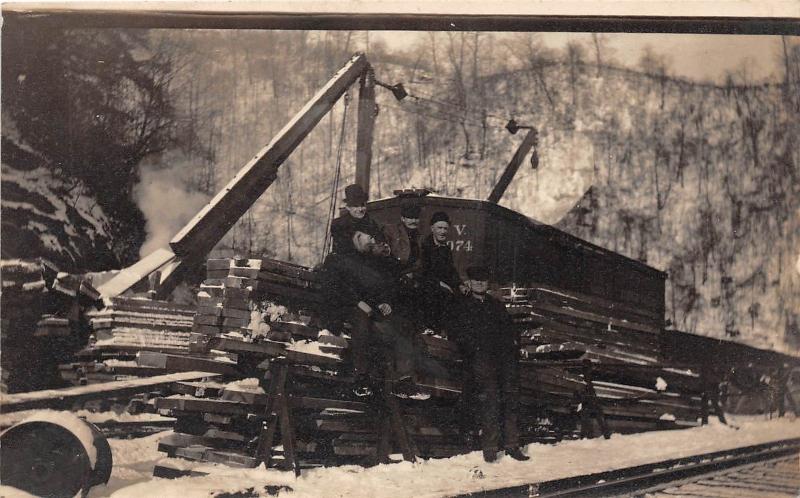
(635, 479)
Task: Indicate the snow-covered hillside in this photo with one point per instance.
(44, 216)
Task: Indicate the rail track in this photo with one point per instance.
(762, 470)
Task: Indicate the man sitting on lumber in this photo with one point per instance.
(364, 290)
(483, 329)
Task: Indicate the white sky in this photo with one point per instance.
(697, 57)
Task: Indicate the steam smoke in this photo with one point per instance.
(167, 202)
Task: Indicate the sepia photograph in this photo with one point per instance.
(353, 252)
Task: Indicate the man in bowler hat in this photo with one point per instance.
(355, 218)
(489, 343)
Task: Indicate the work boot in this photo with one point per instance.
(517, 454)
(407, 388)
(489, 456)
(362, 391)
(362, 386)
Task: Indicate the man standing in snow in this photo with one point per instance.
(483, 329)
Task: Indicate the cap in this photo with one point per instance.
(439, 216)
(478, 272)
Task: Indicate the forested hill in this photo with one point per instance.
(699, 180)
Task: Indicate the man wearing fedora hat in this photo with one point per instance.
(355, 218)
(483, 329)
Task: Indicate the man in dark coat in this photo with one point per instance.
(403, 238)
(355, 217)
(363, 288)
(438, 274)
(483, 329)
(436, 255)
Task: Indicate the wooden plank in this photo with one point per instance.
(289, 269)
(205, 454)
(350, 425)
(311, 359)
(218, 263)
(354, 448)
(299, 329)
(171, 442)
(241, 396)
(595, 300)
(605, 320)
(288, 281)
(326, 375)
(265, 348)
(219, 215)
(203, 405)
(137, 272)
(58, 397)
(562, 300)
(197, 389)
(307, 402)
(185, 363)
(167, 472)
(242, 313)
(597, 323)
(289, 293)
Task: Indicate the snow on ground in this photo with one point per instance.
(134, 461)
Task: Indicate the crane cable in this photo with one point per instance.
(327, 246)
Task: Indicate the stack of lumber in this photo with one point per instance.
(609, 331)
(634, 389)
(125, 327)
(283, 355)
(42, 321)
(330, 423)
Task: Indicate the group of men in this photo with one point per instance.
(389, 285)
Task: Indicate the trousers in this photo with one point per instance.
(388, 344)
(490, 400)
